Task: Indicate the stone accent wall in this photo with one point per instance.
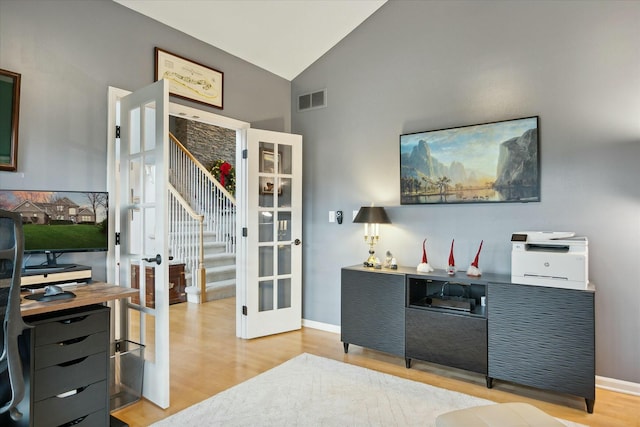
(205, 142)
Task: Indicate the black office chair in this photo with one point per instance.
(12, 389)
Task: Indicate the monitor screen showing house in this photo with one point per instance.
(60, 221)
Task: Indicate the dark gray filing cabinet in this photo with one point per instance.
(70, 366)
(543, 337)
(452, 337)
(373, 309)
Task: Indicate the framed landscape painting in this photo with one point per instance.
(486, 163)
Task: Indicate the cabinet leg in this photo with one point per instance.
(346, 347)
(590, 403)
(489, 382)
(407, 362)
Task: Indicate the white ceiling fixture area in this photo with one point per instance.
(280, 36)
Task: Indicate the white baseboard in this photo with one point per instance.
(612, 384)
(619, 386)
(322, 326)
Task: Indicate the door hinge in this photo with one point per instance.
(117, 131)
(117, 238)
(245, 232)
(245, 154)
(244, 310)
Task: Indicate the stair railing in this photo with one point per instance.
(186, 231)
(205, 196)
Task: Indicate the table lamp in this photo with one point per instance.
(371, 217)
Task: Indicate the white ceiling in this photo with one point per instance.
(281, 36)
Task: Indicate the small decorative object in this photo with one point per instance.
(390, 261)
(424, 266)
(387, 260)
(474, 270)
(451, 269)
(225, 173)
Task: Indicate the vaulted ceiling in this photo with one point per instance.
(280, 36)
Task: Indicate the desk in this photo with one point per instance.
(94, 293)
(65, 358)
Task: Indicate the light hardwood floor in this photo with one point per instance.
(207, 358)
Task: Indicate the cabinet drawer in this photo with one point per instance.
(75, 348)
(72, 325)
(447, 339)
(56, 411)
(72, 375)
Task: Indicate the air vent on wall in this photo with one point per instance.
(312, 100)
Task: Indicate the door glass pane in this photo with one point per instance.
(149, 232)
(150, 126)
(135, 181)
(265, 261)
(265, 302)
(284, 192)
(285, 159)
(135, 232)
(143, 326)
(134, 131)
(267, 159)
(284, 226)
(284, 293)
(284, 259)
(265, 224)
(149, 180)
(266, 186)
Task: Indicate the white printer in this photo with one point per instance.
(550, 258)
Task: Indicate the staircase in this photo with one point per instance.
(202, 227)
(220, 273)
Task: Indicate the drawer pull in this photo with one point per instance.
(73, 320)
(73, 362)
(73, 341)
(70, 392)
(74, 422)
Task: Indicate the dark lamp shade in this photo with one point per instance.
(372, 215)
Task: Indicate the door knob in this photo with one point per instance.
(297, 242)
(157, 259)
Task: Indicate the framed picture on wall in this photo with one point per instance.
(189, 79)
(489, 163)
(9, 119)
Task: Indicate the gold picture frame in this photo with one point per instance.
(189, 79)
(9, 119)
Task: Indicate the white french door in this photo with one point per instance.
(142, 207)
(269, 271)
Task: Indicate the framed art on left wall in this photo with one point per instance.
(9, 114)
(188, 79)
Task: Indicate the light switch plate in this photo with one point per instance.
(332, 216)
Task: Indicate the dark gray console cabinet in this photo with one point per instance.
(372, 312)
(543, 337)
(531, 335)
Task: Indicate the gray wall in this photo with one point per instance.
(416, 66)
(68, 53)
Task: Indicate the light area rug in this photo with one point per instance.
(313, 391)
